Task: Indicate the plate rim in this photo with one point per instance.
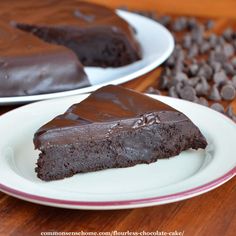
(135, 74)
(122, 203)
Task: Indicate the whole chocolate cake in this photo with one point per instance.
(43, 42)
(114, 127)
(30, 66)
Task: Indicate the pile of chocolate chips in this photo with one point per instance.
(202, 68)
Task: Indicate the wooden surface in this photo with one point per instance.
(211, 214)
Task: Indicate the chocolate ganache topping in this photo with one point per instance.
(114, 127)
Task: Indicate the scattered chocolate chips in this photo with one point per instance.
(217, 107)
(228, 92)
(202, 66)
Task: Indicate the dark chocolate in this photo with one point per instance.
(29, 66)
(114, 127)
(97, 35)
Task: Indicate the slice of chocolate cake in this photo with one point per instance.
(114, 127)
(30, 66)
(97, 35)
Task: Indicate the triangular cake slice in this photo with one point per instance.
(95, 33)
(114, 127)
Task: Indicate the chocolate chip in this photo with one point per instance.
(227, 34)
(187, 93)
(230, 113)
(181, 76)
(234, 81)
(165, 20)
(164, 82)
(214, 93)
(192, 23)
(197, 34)
(203, 101)
(193, 51)
(202, 87)
(205, 71)
(219, 77)
(226, 82)
(168, 71)
(179, 24)
(234, 44)
(221, 41)
(212, 40)
(180, 55)
(193, 81)
(219, 56)
(187, 41)
(216, 66)
(228, 92)
(233, 61)
(229, 69)
(210, 24)
(172, 92)
(217, 107)
(193, 69)
(205, 47)
(153, 91)
(170, 61)
(178, 68)
(228, 50)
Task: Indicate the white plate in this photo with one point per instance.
(187, 175)
(156, 42)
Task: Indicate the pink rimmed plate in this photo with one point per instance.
(190, 174)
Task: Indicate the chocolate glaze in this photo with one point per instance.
(113, 127)
(30, 65)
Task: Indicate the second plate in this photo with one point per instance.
(156, 42)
